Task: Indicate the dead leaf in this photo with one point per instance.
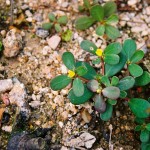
(86, 116)
(20, 19)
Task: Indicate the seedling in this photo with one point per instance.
(86, 5)
(55, 22)
(144, 129)
(105, 88)
(104, 15)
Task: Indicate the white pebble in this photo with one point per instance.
(7, 2)
(53, 41)
(7, 128)
(61, 124)
(148, 10)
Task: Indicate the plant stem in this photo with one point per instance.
(103, 67)
(83, 79)
(12, 8)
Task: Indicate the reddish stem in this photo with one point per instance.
(103, 67)
(83, 79)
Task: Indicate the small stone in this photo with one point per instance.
(28, 13)
(3, 33)
(88, 139)
(54, 41)
(35, 104)
(12, 43)
(18, 96)
(29, 19)
(64, 69)
(118, 113)
(5, 85)
(7, 128)
(64, 148)
(8, 2)
(38, 17)
(42, 33)
(65, 4)
(148, 10)
(132, 2)
(61, 124)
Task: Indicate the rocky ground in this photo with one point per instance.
(30, 62)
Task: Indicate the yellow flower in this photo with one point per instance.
(98, 91)
(71, 73)
(99, 52)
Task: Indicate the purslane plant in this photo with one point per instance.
(104, 15)
(105, 88)
(55, 23)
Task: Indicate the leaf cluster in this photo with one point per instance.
(104, 88)
(105, 15)
(141, 109)
(55, 22)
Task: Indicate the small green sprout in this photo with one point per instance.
(55, 23)
(104, 15)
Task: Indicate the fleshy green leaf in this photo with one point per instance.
(112, 32)
(78, 87)
(138, 128)
(81, 8)
(111, 92)
(97, 12)
(81, 70)
(96, 61)
(137, 56)
(112, 101)
(60, 82)
(129, 48)
(86, 4)
(148, 126)
(112, 19)
(135, 70)
(105, 80)
(100, 30)
(108, 113)
(145, 146)
(139, 107)
(111, 59)
(51, 17)
(126, 83)
(139, 120)
(99, 103)
(113, 48)
(47, 26)
(144, 79)
(68, 60)
(144, 136)
(123, 94)
(67, 35)
(88, 46)
(93, 85)
(83, 23)
(114, 80)
(110, 8)
(62, 20)
(58, 28)
(80, 100)
(91, 73)
(111, 70)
